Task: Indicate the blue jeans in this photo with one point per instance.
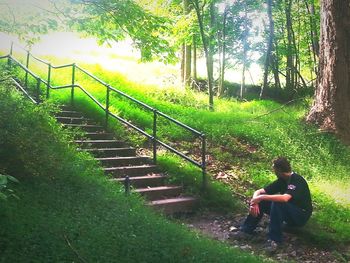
(279, 212)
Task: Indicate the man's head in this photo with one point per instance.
(282, 167)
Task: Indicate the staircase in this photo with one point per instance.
(119, 160)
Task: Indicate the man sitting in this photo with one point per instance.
(287, 199)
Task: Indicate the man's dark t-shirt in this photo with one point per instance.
(297, 187)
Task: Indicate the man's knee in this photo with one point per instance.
(278, 206)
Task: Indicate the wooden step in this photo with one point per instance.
(131, 170)
(85, 127)
(86, 144)
(175, 205)
(73, 120)
(159, 192)
(144, 181)
(68, 113)
(111, 152)
(124, 161)
(99, 135)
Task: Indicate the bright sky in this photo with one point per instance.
(120, 57)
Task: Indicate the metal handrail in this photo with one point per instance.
(105, 107)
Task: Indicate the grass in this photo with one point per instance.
(264, 126)
(68, 211)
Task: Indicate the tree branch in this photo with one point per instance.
(73, 249)
(277, 109)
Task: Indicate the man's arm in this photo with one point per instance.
(254, 207)
(260, 195)
(274, 198)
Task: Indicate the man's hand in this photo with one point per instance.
(254, 210)
(256, 200)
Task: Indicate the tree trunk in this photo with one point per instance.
(313, 33)
(223, 54)
(268, 58)
(331, 108)
(183, 63)
(187, 63)
(208, 55)
(194, 58)
(187, 74)
(245, 49)
(290, 53)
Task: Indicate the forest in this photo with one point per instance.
(255, 79)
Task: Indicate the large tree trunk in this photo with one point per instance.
(331, 108)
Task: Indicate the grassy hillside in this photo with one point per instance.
(67, 211)
(243, 135)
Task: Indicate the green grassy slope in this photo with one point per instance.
(252, 132)
(68, 211)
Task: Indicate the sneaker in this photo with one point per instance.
(240, 235)
(271, 246)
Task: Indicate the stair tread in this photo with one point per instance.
(83, 125)
(158, 188)
(173, 200)
(129, 167)
(121, 158)
(69, 111)
(96, 141)
(72, 117)
(109, 149)
(153, 176)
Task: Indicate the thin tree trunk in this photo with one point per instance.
(223, 54)
(268, 59)
(275, 67)
(187, 66)
(194, 58)
(183, 64)
(290, 64)
(313, 33)
(208, 56)
(245, 36)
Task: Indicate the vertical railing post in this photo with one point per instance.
(107, 105)
(73, 83)
(155, 136)
(48, 81)
(27, 66)
(11, 52)
(38, 81)
(204, 173)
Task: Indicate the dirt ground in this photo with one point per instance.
(294, 249)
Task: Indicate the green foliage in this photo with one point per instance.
(5, 191)
(27, 20)
(116, 20)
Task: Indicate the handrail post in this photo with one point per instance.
(73, 82)
(9, 58)
(27, 66)
(107, 105)
(204, 173)
(155, 136)
(48, 81)
(38, 80)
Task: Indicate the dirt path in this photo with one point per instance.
(294, 249)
